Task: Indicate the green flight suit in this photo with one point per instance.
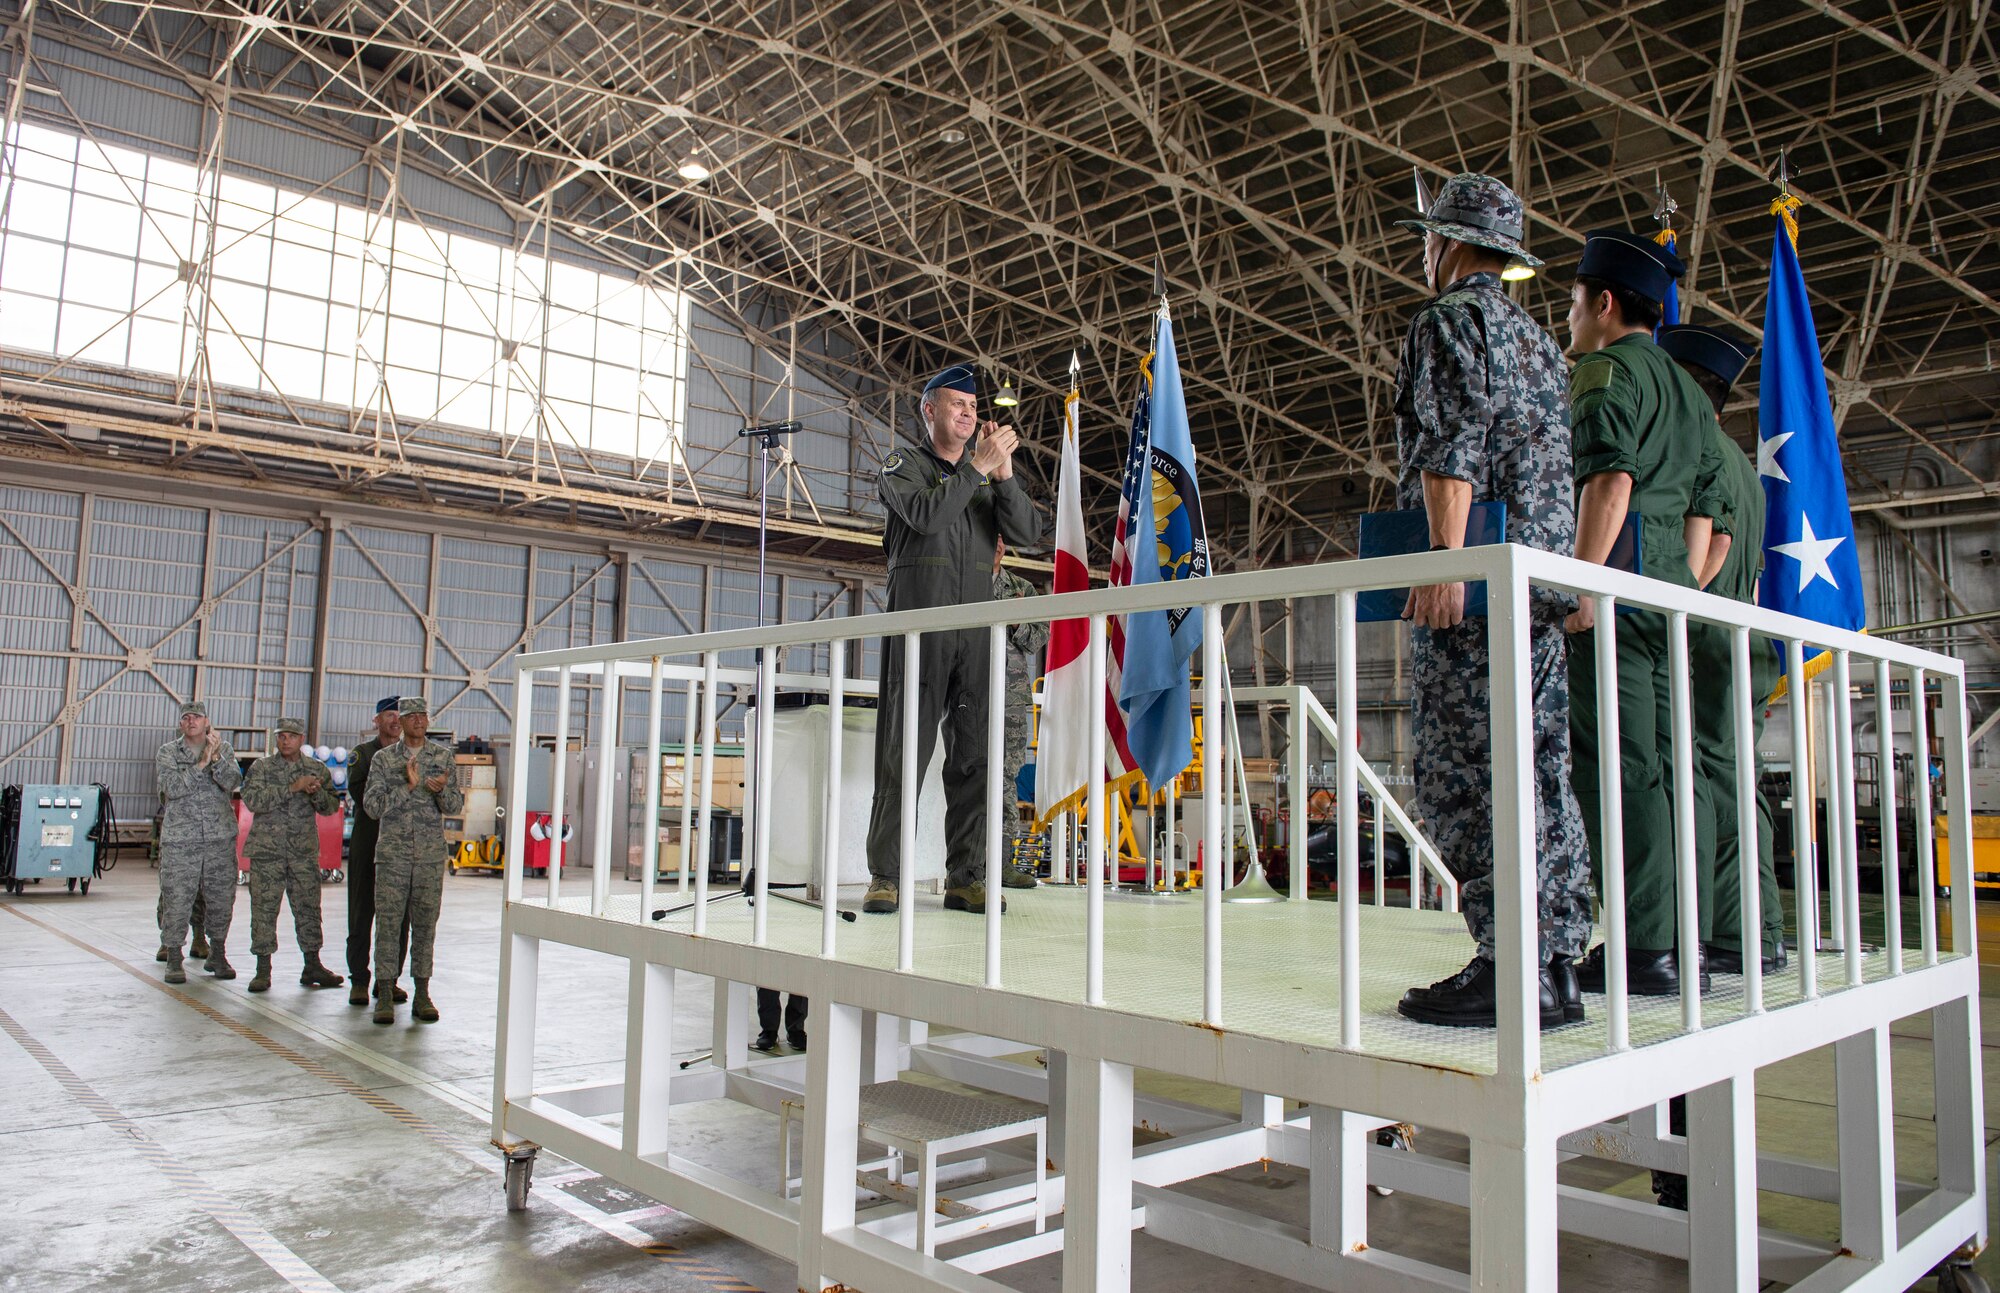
(1719, 855)
(944, 520)
(1634, 411)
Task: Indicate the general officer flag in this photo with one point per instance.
(1156, 690)
(1810, 566)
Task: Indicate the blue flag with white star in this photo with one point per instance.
(1810, 565)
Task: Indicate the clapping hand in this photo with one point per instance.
(410, 772)
(305, 785)
(994, 455)
(435, 782)
(210, 747)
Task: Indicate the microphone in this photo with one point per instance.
(771, 428)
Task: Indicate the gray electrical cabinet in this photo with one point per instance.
(56, 837)
(580, 795)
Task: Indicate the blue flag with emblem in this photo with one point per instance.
(1810, 565)
(1155, 691)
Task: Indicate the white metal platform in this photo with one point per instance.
(1292, 999)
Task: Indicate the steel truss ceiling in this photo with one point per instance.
(997, 179)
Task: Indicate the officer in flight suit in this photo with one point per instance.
(1645, 442)
(948, 502)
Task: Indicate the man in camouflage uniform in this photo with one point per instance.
(361, 861)
(1481, 415)
(197, 773)
(285, 790)
(412, 787)
(1024, 648)
(949, 501)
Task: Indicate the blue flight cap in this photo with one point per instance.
(1630, 260)
(958, 377)
(1719, 350)
(386, 703)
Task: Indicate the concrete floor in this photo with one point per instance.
(201, 1138)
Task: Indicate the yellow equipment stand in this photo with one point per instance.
(1985, 853)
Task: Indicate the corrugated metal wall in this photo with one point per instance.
(120, 608)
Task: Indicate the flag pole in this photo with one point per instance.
(1256, 886)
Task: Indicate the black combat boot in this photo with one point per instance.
(1470, 999)
(1562, 973)
(1647, 973)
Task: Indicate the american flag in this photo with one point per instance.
(1134, 493)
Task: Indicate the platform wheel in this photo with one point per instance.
(520, 1175)
(72, 884)
(1399, 1135)
(85, 885)
(1957, 1276)
(242, 877)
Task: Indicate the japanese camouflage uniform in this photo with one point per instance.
(943, 522)
(1712, 664)
(1480, 398)
(283, 849)
(197, 839)
(1024, 648)
(410, 848)
(1634, 411)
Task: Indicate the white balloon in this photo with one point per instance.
(339, 776)
(340, 754)
(320, 752)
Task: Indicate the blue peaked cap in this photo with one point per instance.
(958, 377)
(1720, 351)
(386, 703)
(1630, 260)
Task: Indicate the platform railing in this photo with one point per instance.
(1509, 573)
(1308, 715)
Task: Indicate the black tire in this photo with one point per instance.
(72, 884)
(86, 887)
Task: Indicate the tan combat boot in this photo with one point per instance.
(881, 897)
(424, 1008)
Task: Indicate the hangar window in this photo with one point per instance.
(329, 302)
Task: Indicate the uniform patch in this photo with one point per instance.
(1591, 376)
(893, 461)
